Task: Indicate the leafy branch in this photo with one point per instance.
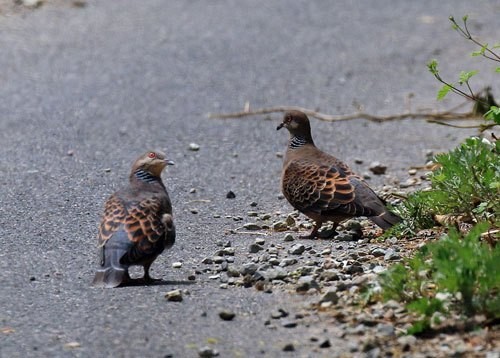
(485, 51)
(484, 102)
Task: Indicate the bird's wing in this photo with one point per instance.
(140, 219)
(312, 187)
(113, 218)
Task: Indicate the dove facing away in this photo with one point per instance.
(321, 186)
(137, 223)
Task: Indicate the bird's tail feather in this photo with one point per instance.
(112, 272)
(386, 220)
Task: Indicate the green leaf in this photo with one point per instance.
(465, 76)
(433, 66)
(464, 18)
(480, 52)
(497, 45)
(443, 92)
(493, 114)
(497, 70)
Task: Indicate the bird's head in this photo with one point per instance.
(297, 124)
(152, 162)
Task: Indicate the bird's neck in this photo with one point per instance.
(298, 141)
(144, 176)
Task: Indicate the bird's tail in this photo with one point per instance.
(111, 272)
(386, 220)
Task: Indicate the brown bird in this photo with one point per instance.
(137, 223)
(321, 186)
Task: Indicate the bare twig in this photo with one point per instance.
(429, 116)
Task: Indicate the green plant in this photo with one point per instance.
(457, 274)
(484, 103)
(467, 183)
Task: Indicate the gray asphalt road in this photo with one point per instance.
(110, 80)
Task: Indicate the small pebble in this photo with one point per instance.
(288, 237)
(72, 345)
(377, 168)
(254, 248)
(289, 347)
(280, 226)
(207, 352)
(230, 195)
(330, 296)
(227, 315)
(260, 241)
(289, 324)
(177, 264)
(279, 313)
(391, 255)
(378, 252)
(325, 344)
(253, 204)
(297, 249)
(252, 226)
(174, 296)
(194, 147)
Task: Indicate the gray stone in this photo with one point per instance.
(248, 269)
(229, 251)
(325, 343)
(207, 352)
(378, 252)
(254, 248)
(391, 255)
(297, 249)
(288, 237)
(279, 313)
(346, 236)
(289, 347)
(174, 296)
(330, 296)
(280, 226)
(290, 220)
(289, 324)
(227, 315)
(288, 261)
(385, 329)
(265, 216)
(330, 275)
(407, 341)
(252, 226)
(305, 283)
(377, 168)
(194, 147)
(277, 273)
(260, 241)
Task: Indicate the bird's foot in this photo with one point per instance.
(148, 280)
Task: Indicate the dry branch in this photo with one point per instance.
(432, 117)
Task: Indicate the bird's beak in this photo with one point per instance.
(281, 125)
(169, 162)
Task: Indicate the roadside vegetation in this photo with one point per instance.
(457, 275)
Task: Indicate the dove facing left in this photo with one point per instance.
(137, 223)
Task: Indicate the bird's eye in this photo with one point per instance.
(152, 155)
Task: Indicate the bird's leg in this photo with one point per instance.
(314, 232)
(148, 279)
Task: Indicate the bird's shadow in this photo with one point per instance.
(136, 283)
